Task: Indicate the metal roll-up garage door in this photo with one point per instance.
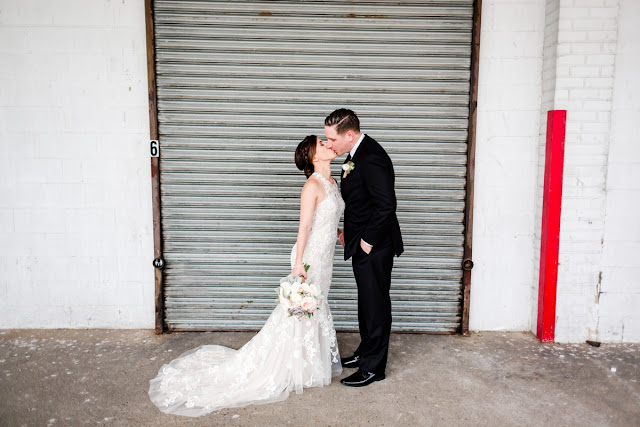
(239, 84)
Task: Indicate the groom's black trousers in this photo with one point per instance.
(373, 277)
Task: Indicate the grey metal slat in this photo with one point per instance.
(240, 83)
(408, 10)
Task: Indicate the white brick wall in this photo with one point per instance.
(75, 196)
(619, 300)
(575, 44)
(75, 209)
(579, 77)
(588, 29)
(506, 163)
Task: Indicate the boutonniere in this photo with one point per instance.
(347, 167)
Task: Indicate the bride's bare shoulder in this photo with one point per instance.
(313, 187)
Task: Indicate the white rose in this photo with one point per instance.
(286, 289)
(295, 298)
(345, 167)
(295, 288)
(315, 291)
(308, 304)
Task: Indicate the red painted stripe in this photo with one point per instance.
(550, 237)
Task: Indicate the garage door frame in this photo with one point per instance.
(158, 261)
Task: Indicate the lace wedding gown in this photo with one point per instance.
(287, 354)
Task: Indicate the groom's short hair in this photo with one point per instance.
(345, 120)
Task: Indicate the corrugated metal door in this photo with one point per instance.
(239, 84)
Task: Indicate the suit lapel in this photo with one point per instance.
(342, 171)
(362, 147)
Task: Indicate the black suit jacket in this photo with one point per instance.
(370, 199)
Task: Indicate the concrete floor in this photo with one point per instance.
(96, 377)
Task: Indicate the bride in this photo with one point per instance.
(289, 353)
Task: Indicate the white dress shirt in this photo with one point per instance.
(355, 147)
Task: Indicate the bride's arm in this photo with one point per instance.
(308, 201)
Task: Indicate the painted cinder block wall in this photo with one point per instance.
(589, 61)
(619, 290)
(75, 195)
(558, 54)
(584, 87)
(506, 164)
(76, 210)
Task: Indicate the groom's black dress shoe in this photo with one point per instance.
(361, 379)
(350, 362)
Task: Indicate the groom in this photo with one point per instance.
(371, 238)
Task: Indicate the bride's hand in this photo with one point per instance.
(299, 271)
(341, 237)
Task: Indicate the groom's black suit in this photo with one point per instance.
(370, 214)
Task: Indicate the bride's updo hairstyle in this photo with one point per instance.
(304, 154)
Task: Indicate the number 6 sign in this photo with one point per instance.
(155, 148)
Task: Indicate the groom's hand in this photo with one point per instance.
(365, 247)
(341, 237)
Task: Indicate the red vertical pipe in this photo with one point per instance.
(550, 236)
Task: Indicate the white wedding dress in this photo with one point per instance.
(289, 353)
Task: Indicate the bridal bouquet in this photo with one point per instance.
(300, 298)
